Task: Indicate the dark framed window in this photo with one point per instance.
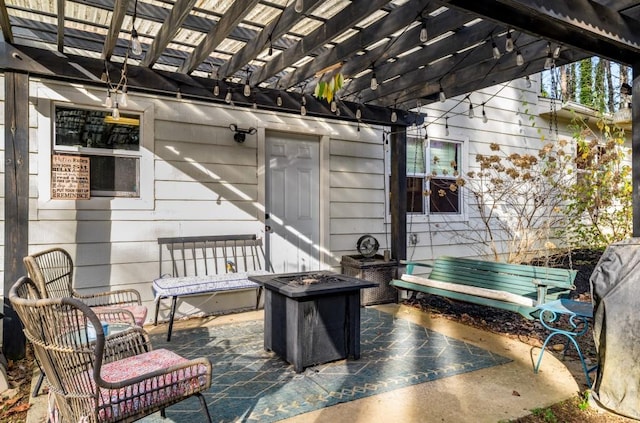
(432, 170)
(112, 146)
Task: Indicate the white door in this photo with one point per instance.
(293, 202)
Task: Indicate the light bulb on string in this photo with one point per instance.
(279, 100)
(374, 82)
(446, 126)
(136, 47)
(334, 106)
(108, 102)
(358, 113)
(394, 116)
(556, 52)
(247, 89)
(508, 45)
(227, 97)
(485, 119)
(216, 89)
(298, 6)
(495, 50)
(424, 34)
(527, 81)
(548, 62)
(303, 106)
(115, 113)
(519, 58)
(471, 113)
(179, 94)
(124, 97)
(442, 95)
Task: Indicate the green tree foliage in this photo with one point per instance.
(586, 82)
(598, 202)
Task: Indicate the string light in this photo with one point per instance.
(247, 88)
(279, 100)
(334, 106)
(115, 113)
(108, 102)
(303, 106)
(298, 6)
(446, 126)
(471, 113)
(227, 97)
(496, 50)
(556, 52)
(394, 116)
(216, 88)
(519, 58)
(424, 34)
(442, 95)
(179, 94)
(136, 47)
(374, 81)
(484, 115)
(358, 113)
(527, 81)
(548, 63)
(508, 45)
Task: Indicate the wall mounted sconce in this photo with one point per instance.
(241, 134)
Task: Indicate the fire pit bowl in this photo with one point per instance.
(312, 317)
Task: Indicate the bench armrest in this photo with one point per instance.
(411, 264)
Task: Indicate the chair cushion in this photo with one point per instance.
(148, 393)
(186, 285)
(139, 312)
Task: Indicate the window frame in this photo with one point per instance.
(73, 96)
(426, 216)
(102, 152)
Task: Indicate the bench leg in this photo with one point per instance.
(155, 319)
(259, 294)
(174, 302)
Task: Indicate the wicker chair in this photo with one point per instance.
(93, 378)
(52, 271)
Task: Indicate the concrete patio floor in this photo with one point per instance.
(494, 394)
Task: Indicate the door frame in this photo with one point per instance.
(324, 211)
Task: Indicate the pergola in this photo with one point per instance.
(271, 54)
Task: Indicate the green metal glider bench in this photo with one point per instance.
(514, 287)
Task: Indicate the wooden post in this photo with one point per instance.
(635, 148)
(398, 192)
(16, 202)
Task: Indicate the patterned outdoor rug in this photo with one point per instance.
(250, 384)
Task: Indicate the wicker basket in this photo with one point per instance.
(373, 269)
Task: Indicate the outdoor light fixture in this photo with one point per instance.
(247, 88)
(303, 106)
(358, 113)
(240, 135)
(485, 119)
(136, 47)
(446, 126)
(298, 6)
(495, 50)
(279, 100)
(556, 52)
(334, 106)
(527, 81)
(508, 45)
(442, 95)
(374, 82)
(394, 116)
(216, 88)
(519, 58)
(227, 97)
(424, 34)
(471, 113)
(548, 63)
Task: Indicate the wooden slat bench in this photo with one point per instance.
(199, 265)
(514, 287)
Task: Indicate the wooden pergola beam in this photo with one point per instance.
(111, 39)
(5, 23)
